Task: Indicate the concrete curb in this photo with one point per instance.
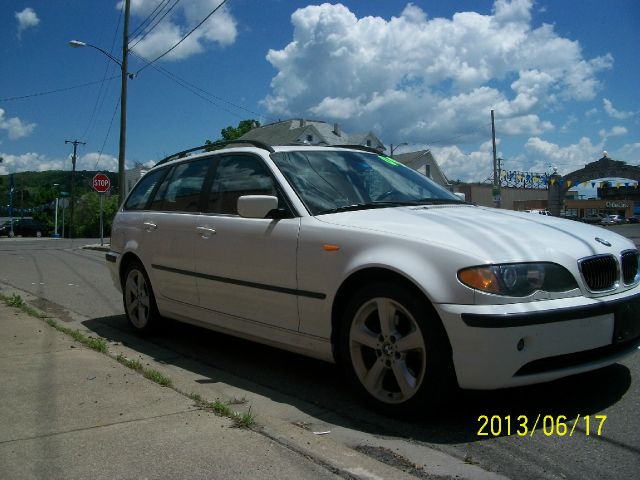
(326, 448)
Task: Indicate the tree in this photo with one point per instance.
(88, 214)
(231, 133)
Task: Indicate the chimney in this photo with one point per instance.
(303, 123)
(336, 129)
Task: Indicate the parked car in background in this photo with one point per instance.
(596, 218)
(613, 220)
(346, 255)
(633, 219)
(24, 227)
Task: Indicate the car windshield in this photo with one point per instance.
(333, 181)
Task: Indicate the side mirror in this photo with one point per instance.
(256, 206)
(461, 196)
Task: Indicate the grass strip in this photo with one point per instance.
(157, 377)
(245, 420)
(97, 344)
(132, 364)
(16, 301)
(148, 373)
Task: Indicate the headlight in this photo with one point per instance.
(518, 279)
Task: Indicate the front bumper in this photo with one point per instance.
(497, 346)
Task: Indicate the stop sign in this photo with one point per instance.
(101, 183)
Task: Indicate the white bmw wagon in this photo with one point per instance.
(346, 255)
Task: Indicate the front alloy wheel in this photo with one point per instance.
(387, 350)
(395, 351)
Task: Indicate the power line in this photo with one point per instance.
(149, 18)
(109, 65)
(448, 140)
(49, 92)
(106, 137)
(151, 28)
(198, 91)
(185, 37)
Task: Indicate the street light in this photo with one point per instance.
(79, 44)
(122, 187)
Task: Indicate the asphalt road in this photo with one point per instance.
(72, 283)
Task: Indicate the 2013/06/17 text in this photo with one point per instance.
(549, 425)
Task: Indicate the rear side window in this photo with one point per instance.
(141, 193)
(180, 191)
(236, 176)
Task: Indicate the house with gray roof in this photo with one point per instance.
(422, 161)
(310, 132)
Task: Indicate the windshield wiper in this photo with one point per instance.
(438, 201)
(366, 206)
(363, 206)
(410, 203)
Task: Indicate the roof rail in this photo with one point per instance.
(364, 148)
(214, 146)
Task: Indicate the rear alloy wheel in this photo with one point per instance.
(139, 301)
(395, 350)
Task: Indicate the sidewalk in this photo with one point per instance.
(70, 412)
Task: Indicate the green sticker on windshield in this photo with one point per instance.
(389, 160)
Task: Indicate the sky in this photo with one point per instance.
(561, 76)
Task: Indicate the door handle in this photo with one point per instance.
(205, 232)
(148, 226)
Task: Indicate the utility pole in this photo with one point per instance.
(75, 144)
(496, 178)
(122, 187)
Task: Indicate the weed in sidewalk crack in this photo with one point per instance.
(16, 301)
(96, 344)
(244, 420)
(132, 364)
(157, 377)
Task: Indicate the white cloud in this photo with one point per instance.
(612, 112)
(538, 155)
(220, 28)
(37, 162)
(467, 167)
(15, 127)
(27, 18)
(571, 120)
(629, 153)
(542, 153)
(26, 162)
(614, 132)
(414, 78)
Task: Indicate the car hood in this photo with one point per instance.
(489, 234)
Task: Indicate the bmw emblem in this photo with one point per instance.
(603, 241)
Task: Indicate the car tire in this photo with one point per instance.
(402, 366)
(139, 301)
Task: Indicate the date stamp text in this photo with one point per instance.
(548, 425)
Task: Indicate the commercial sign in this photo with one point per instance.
(616, 205)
